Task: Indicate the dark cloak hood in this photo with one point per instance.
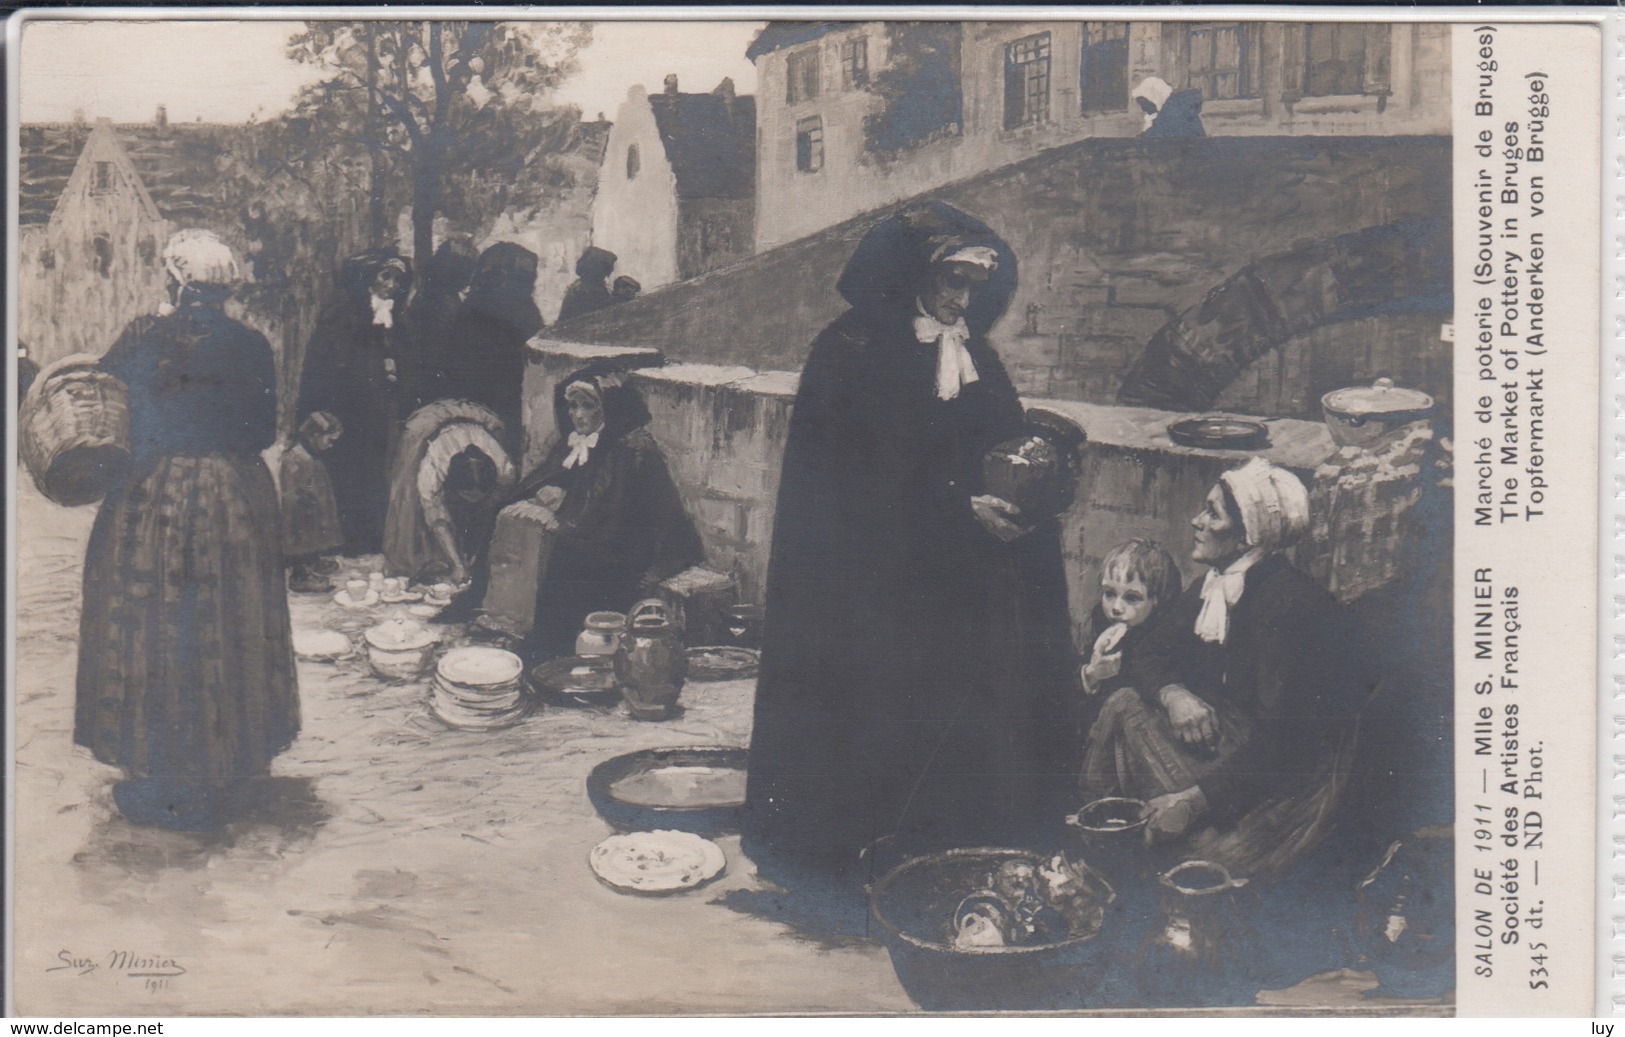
(504, 281)
(595, 263)
(624, 409)
(450, 269)
(358, 272)
(891, 266)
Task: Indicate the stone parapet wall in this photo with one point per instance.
(723, 428)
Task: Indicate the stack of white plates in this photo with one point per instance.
(477, 689)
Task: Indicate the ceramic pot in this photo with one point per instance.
(400, 650)
(1202, 948)
(1405, 925)
(1362, 415)
(601, 633)
(650, 661)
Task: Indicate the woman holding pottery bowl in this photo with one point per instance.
(1245, 756)
(916, 677)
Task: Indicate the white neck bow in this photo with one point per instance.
(383, 312)
(580, 447)
(955, 368)
(1221, 591)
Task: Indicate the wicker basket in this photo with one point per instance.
(74, 431)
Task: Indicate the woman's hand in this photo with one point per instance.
(550, 497)
(1194, 721)
(1173, 815)
(999, 517)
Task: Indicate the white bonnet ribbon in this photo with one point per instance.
(955, 368)
(580, 447)
(1221, 591)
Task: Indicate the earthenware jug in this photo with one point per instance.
(650, 662)
(745, 626)
(1202, 948)
(1405, 925)
(601, 634)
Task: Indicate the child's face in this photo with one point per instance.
(321, 442)
(1124, 599)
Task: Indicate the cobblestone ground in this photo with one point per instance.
(403, 867)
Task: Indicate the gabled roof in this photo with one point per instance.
(710, 140)
(103, 147)
(175, 164)
(777, 35)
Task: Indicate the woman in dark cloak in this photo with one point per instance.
(590, 291)
(917, 677)
(431, 316)
(618, 523)
(489, 338)
(1169, 112)
(353, 371)
(186, 672)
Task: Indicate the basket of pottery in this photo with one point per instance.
(400, 649)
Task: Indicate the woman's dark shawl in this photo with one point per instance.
(347, 373)
(490, 334)
(622, 525)
(915, 669)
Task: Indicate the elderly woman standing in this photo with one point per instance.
(1247, 755)
(186, 674)
(356, 369)
(916, 675)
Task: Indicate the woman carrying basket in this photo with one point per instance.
(186, 673)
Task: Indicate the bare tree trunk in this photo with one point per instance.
(425, 203)
(377, 223)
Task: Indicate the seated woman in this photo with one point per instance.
(449, 477)
(1245, 753)
(617, 521)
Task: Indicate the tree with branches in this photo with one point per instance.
(458, 111)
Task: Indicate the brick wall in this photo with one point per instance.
(1114, 237)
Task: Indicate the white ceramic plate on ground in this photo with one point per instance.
(343, 600)
(480, 667)
(656, 862)
(321, 645)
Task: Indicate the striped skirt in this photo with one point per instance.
(186, 668)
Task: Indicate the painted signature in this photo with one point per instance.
(154, 970)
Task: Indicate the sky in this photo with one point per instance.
(227, 71)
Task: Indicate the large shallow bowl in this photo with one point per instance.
(577, 681)
(915, 905)
(1219, 433)
(699, 790)
(1362, 415)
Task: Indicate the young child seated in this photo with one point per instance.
(310, 514)
(1137, 578)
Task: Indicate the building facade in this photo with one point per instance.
(676, 191)
(836, 99)
(96, 255)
